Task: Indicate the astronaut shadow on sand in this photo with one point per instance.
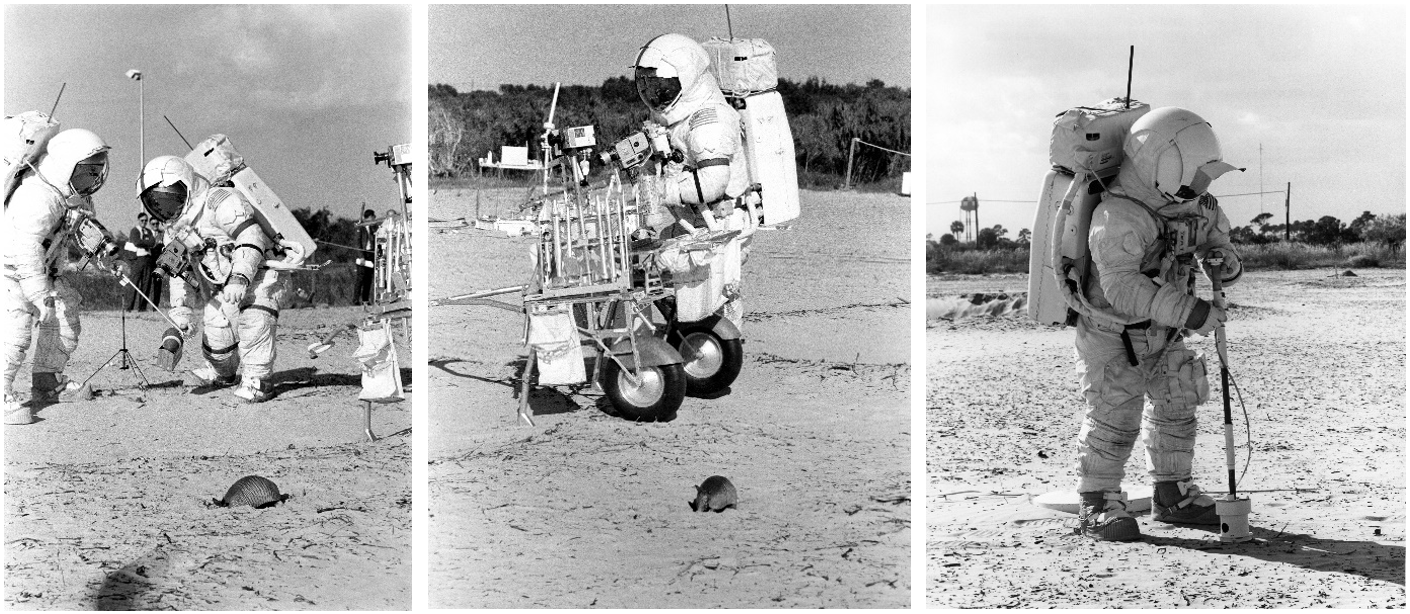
(1371, 560)
(282, 383)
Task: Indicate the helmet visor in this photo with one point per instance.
(89, 174)
(164, 203)
(657, 92)
(1204, 176)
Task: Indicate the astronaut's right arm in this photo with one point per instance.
(1118, 240)
(32, 220)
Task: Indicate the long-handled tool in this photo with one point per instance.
(1233, 509)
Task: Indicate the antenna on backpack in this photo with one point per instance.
(1130, 66)
(178, 133)
(57, 99)
(729, 24)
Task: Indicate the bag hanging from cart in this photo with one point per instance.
(381, 369)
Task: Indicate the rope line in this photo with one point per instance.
(882, 148)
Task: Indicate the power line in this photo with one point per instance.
(986, 200)
(1034, 202)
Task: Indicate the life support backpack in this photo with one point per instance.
(1086, 154)
(748, 76)
(22, 144)
(217, 160)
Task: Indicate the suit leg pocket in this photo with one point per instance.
(1190, 376)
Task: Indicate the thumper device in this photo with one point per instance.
(169, 352)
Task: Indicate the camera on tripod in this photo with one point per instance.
(396, 155)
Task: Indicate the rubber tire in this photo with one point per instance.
(732, 360)
(663, 407)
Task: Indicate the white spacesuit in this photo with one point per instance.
(40, 224)
(673, 79)
(1145, 238)
(226, 250)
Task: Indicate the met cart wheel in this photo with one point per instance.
(656, 395)
(711, 363)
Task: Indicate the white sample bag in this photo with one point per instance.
(557, 346)
(381, 370)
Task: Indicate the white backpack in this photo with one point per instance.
(22, 144)
(1086, 153)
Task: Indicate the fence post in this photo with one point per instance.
(851, 151)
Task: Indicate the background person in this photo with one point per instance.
(366, 260)
(154, 281)
(142, 258)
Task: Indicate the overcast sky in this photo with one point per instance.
(305, 93)
(1321, 88)
(483, 46)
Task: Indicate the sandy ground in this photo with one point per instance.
(106, 501)
(589, 510)
(1321, 364)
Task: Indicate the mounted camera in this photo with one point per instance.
(91, 237)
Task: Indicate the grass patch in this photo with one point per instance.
(1267, 257)
(979, 262)
(1296, 256)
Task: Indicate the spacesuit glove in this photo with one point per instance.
(234, 289)
(1204, 318)
(1224, 263)
(181, 317)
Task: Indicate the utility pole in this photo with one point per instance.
(1287, 213)
(136, 75)
(1260, 178)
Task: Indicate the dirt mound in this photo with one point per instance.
(996, 305)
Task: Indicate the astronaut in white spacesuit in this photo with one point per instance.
(226, 252)
(1147, 236)
(41, 219)
(673, 79)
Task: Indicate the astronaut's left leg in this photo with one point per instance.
(259, 319)
(57, 340)
(1177, 389)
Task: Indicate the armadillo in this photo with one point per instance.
(252, 490)
(714, 495)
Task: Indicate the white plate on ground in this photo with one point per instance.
(1138, 499)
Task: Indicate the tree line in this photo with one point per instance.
(1325, 231)
(824, 119)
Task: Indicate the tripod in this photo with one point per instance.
(127, 362)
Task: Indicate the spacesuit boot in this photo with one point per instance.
(1103, 517)
(1183, 503)
(208, 377)
(17, 413)
(50, 388)
(252, 390)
